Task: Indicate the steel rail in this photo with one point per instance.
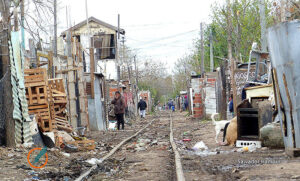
(179, 171)
(86, 173)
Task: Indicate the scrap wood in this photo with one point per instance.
(66, 70)
(57, 84)
(83, 145)
(56, 93)
(63, 124)
(59, 110)
(67, 129)
(47, 99)
(86, 173)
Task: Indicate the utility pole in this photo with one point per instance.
(71, 83)
(16, 24)
(22, 23)
(136, 72)
(263, 25)
(117, 53)
(55, 39)
(6, 74)
(123, 54)
(87, 17)
(127, 60)
(211, 51)
(232, 62)
(202, 49)
(136, 84)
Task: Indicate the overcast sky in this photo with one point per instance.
(162, 30)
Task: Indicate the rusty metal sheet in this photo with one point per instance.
(284, 46)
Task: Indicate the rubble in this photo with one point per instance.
(271, 135)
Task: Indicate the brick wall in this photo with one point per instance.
(197, 96)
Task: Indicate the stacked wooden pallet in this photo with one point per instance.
(59, 98)
(39, 97)
(46, 99)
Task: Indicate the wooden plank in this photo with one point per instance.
(64, 128)
(38, 107)
(34, 71)
(83, 145)
(30, 97)
(35, 84)
(92, 70)
(66, 70)
(37, 89)
(71, 94)
(82, 98)
(62, 118)
(34, 78)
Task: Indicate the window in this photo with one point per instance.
(105, 46)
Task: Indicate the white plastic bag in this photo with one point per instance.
(200, 146)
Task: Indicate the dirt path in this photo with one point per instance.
(224, 162)
(150, 157)
(147, 157)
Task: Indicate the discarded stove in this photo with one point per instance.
(247, 125)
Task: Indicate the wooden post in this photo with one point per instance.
(51, 72)
(92, 70)
(202, 50)
(32, 50)
(71, 84)
(82, 98)
(232, 62)
(211, 51)
(223, 92)
(22, 23)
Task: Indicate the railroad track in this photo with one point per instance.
(177, 169)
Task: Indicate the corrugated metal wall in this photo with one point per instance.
(20, 112)
(2, 110)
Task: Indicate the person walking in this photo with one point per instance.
(119, 109)
(230, 105)
(170, 104)
(186, 103)
(142, 105)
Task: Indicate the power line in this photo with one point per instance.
(168, 37)
(158, 24)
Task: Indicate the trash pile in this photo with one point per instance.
(47, 102)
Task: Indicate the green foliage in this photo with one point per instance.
(246, 30)
(153, 90)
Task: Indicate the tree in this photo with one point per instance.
(245, 30)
